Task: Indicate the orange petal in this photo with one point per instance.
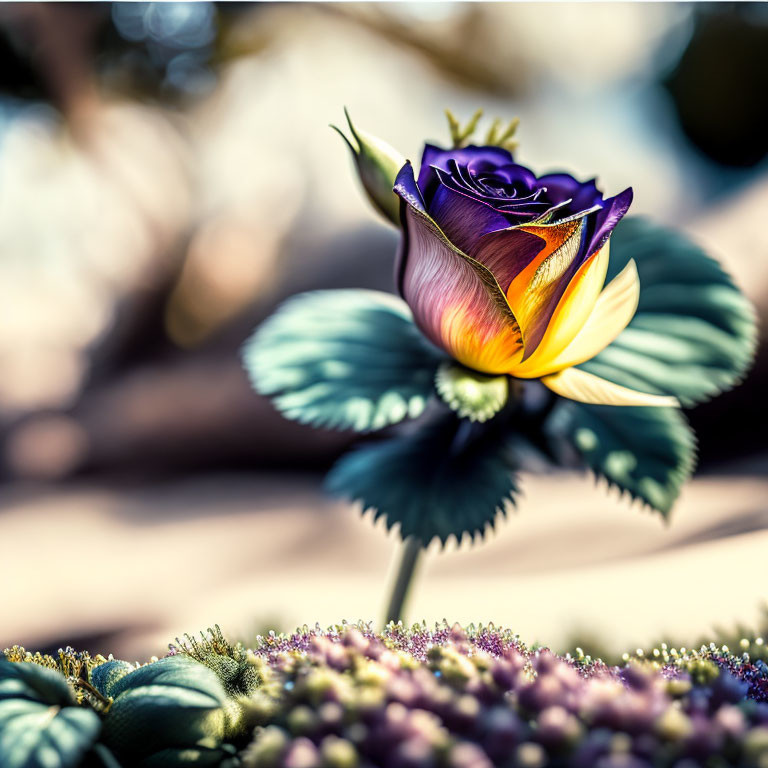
(533, 292)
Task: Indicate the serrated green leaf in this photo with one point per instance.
(40, 724)
(647, 452)
(347, 359)
(449, 478)
(693, 335)
(471, 395)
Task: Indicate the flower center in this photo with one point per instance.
(497, 189)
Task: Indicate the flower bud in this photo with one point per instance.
(530, 755)
(414, 752)
(503, 731)
(468, 755)
(377, 166)
(302, 754)
(267, 748)
(302, 721)
(557, 727)
(338, 753)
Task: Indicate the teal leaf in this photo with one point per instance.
(346, 359)
(218, 757)
(449, 478)
(100, 757)
(694, 332)
(105, 676)
(647, 452)
(470, 394)
(41, 725)
(175, 703)
(34, 682)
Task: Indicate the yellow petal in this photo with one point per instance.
(572, 311)
(614, 308)
(587, 388)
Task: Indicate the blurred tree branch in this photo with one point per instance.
(463, 51)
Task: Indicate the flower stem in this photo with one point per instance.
(410, 556)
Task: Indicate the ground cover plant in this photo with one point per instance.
(349, 696)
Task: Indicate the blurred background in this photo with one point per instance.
(167, 176)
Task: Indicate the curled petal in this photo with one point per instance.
(535, 292)
(614, 309)
(576, 301)
(607, 218)
(587, 388)
(507, 253)
(455, 300)
(562, 186)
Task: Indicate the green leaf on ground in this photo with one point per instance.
(41, 725)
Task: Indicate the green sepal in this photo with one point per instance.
(41, 725)
(377, 166)
(344, 359)
(449, 478)
(693, 335)
(472, 395)
(646, 452)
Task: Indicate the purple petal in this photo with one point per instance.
(463, 219)
(511, 173)
(606, 219)
(528, 205)
(440, 158)
(406, 187)
(562, 186)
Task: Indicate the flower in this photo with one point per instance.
(505, 270)
(505, 276)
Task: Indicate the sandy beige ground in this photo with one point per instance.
(140, 567)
